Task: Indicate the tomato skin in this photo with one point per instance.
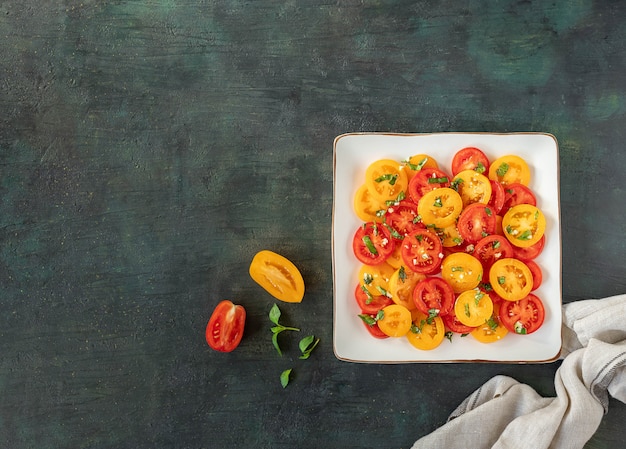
(492, 248)
(524, 316)
(476, 221)
(496, 202)
(470, 158)
(374, 330)
(515, 194)
(379, 237)
(422, 182)
(367, 305)
(531, 252)
(278, 276)
(421, 251)
(454, 325)
(536, 273)
(433, 293)
(224, 330)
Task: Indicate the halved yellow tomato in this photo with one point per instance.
(418, 162)
(278, 276)
(473, 307)
(427, 332)
(440, 207)
(473, 187)
(365, 205)
(511, 279)
(401, 285)
(375, 278)
(396, 320)
(450, 236)
(510, 169)
(524, 225)
(461, 271)
(492, 330)
(385, 179)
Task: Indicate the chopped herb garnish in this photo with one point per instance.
(402, 274)
(456, 183)
(387, 177)
(438, 202)
(526, 235)
(501, 279)
(453, 269)
(370, 246)
(502, 169)
(448, 335)
(488, 211)
(441, 180)
(467, 310)
(367, 278)
(480, 168)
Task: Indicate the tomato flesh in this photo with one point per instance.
(476, 221)
(372, 243)
(421, 251)
(433, 293)
(225, 328)
(524, 316)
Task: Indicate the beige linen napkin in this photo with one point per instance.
(594, 366)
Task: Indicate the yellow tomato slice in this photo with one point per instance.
(385, 179)
(492, 330)
(510, 169)
(396, 321)
(418, 162)
(427, 332)
(450, 236)
(278, 276)
(375, 278)
(440, 207)
(461, 271)
(524, 225)
(473, 307)
(365, 205)
(511, 279)
(473, 187)
(395, 258)
(401, 285)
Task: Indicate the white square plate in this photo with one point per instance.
(352, 155)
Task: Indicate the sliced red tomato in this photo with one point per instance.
(453, 324)
(535, 270)
(225, 327)
(491, 249)
(476, 221)
(421, 251)
(470, 158)
(530, 252)
(368, 303)
(524, 316)
(434, 293)
(515, 194)
(496, 201)
(372, 243)
(402, 218)
(425, 180)
(372, 326)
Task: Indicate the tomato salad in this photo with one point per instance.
(449, 252)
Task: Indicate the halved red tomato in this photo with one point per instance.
(476, 221)
(426, 180)
(491, 249)
(524, 316)
(402, 218)
(421, 251)
(515, 194)
(470, 158)
(496, 201)
(453, 324)
(225, 327)
(434, 293)
(369, 320)
(530, 252)
(536, 272)
(372, 243)
(368, 303)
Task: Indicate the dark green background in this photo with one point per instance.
(149, 148)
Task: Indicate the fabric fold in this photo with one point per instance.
(594, 360)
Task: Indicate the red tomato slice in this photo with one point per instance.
(434, 293)
(425, 180)
(535, 270)
(491, 249)
(370, 304)
(402, 219)
(225, 328)
(421, 251)
(476, 221)
(530, 253)
(515, 194)
(470, 158)
(524, 316)
(453, 324)
(374, 330)
(496, 201)
(372, 243)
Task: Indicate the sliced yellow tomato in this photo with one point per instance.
(492, 330)
(401, 285)
(418, 162)
(461, 271)
(375, 278)
(440, 207)
(278, 276)
(450, 236)
(524, 225)
(510, 169)
(473, 307)
(385, 179)
(473, 187)
(427, 332)
(395, 258)
(511, 279)
(396, 320)
(365, 205)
